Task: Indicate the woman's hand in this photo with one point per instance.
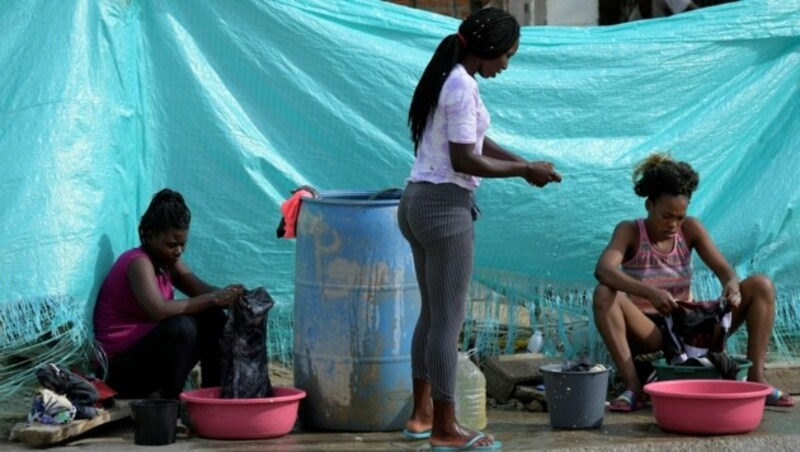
(224, 297)
(541, 173)
(662, 301)
(731, 293)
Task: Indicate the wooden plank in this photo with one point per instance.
(37, 434)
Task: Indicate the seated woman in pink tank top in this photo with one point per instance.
(153, 341)
(647, 268)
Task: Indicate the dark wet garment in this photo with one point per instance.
(727, 367)
(697, 325)
(244, 347)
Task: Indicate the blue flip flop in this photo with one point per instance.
(629, 398)
(470, 445)
(779, 398)
(425, 434)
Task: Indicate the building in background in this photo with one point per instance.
(544, 12)
(455, 8)
(527, 12)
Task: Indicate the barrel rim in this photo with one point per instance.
(351, 197)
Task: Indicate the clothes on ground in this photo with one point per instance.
(51, 408)
(460, 117)
(671, 271)
(79, 391)
(119, 320)
(244, 347)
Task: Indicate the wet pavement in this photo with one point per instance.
(779, 430)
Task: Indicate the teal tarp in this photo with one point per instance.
(235, 103)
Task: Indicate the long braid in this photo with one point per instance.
(487, 33)
(167, 210)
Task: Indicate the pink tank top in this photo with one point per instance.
(669, 271)
(119, 319)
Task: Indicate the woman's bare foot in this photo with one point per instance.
(461, 437)
(416, 425)
(421, 422)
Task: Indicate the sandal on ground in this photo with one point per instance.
(626, 402)
(470, 445)
(182, 431)
(779, 398)
(425, 434)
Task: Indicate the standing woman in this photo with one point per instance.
(448, 123)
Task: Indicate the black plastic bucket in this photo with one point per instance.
(154, 421)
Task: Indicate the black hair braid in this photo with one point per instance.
(658, 175)
(488, 33)
(167, 210)
(426, 95)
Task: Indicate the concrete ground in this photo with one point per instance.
(779, 430)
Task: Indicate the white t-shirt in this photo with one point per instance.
(459, 117)
(662, 8)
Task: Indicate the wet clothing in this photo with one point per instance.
(119, 319)
(244, 347)
(691, 329)
(670, 271)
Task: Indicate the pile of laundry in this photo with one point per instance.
(66, 396)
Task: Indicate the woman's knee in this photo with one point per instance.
(603, 298)
(182, 328)
(758, 287)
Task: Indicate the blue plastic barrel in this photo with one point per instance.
(355, 307)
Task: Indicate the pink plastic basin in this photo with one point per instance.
(271, 417)
(708, 407)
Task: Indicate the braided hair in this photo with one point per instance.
(487, 33)
(166, 211)
(658, 175)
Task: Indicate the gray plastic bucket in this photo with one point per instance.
(575, 400)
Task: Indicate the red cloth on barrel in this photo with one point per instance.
(291, 209)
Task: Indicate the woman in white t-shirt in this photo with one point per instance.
(448, 123)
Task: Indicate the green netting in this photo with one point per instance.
(36, 331)
(236, 103)
(505, 308)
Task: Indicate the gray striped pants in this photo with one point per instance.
(436, 219)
